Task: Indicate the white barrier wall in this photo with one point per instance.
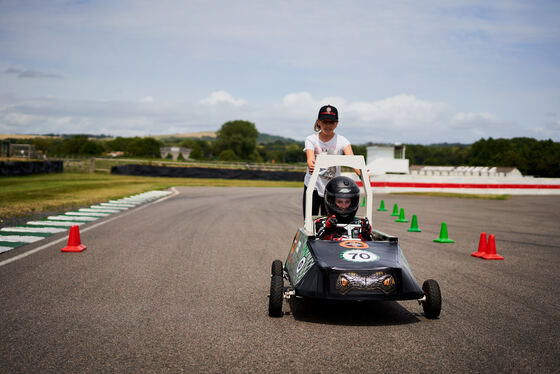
(463, 184)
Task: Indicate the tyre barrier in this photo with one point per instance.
(16, 168)
(196, 172)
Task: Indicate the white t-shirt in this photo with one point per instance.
(335, 146)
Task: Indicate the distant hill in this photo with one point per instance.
(262, 139)
(447, 145)
(22, 136)
(204, 134)
(268, 139)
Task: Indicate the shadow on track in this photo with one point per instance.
(351, 313)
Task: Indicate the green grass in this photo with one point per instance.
(51, 192)
(34, 194)
(458, 195)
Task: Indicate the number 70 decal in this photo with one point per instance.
(359, 255)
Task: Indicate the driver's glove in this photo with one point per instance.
(366, 227)
(331, 222)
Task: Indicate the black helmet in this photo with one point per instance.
(342, 188)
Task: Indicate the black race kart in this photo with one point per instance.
(347, 268)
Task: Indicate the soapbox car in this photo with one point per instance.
(347, 268)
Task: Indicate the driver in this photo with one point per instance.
(342, 197)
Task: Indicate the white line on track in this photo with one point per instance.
(46, 230)
(70, 218)
(88, 214)
(20, 238)
(106, 207)
(5, 249)
(54, 223)
(119, 205)
(98, 210)
(35, 250)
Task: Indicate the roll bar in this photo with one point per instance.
(324, 161)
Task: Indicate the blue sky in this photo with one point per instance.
(407, 71)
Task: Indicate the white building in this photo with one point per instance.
(175, 152)
(387, 159)
(390, 159)
(465, 171)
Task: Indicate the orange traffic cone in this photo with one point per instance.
(491, 251)
(482, 246)
(74, 242)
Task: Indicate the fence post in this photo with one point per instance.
(92, 165)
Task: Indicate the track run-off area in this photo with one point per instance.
(181, 284)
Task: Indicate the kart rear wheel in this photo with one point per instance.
(276, 296)
(432, 304)
(277, 268)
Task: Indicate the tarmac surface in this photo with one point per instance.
(181, 285)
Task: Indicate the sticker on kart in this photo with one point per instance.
(299, 260)
(354, 244)
(359, 255)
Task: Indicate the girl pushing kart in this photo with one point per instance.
(325, 141)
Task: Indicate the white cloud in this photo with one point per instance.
(553, 124)
(147, 99)
(403, 117)
(401, 110)
(300, 105)
(299, 100)
(30, 73)
(471, 120)
(218, 97)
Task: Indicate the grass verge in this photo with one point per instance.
(34, 194)
(458, 195)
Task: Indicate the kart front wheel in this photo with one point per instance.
(432, 303)
(276, 296)
(277, 268)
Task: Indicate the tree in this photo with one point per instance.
(294, 153)
(144, 147)
(199, 148)
(47, 145)
(228, 155)
(238, 136)
(72, 145)
(119, 144)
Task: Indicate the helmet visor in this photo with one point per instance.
(341, 203)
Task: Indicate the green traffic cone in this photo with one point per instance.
(401, 217)
(395, 210)
(382, 206)
(364, 201)
(414, 224)
(443, 235)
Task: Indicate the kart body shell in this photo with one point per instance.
(350, 269)
(347, 268)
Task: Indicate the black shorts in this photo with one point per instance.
(318, 202)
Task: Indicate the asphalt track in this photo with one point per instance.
(181, 285)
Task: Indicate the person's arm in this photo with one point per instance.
(365, 230)
(310, 160)
(325, 228)
(348, 152)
